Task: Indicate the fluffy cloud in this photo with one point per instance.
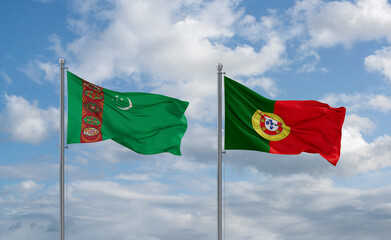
(358, 155)
(35, 171)
(24, 188)
(354, 102)
(295, 207)
(265, 83)
(326, 24)
(5, 76)
(26, 122)
(344, 22)
(38, 70)
(178, 46)
(301, 207)
(380, 62)
(137, 204)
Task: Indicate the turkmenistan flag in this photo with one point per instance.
(143, 122)
(253, 122)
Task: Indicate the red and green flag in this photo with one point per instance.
(253, 122)
(143, 122)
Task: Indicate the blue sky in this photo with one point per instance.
(337, 52)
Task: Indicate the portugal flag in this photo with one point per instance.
(143, 122)
(253, 122)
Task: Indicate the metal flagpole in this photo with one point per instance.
(62, 218)
(219, 154)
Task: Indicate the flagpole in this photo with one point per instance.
(62, 217)
(219, 153)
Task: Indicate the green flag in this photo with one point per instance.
(143, 122)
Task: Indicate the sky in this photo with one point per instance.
(338, 52)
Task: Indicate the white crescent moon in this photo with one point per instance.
(126, 108)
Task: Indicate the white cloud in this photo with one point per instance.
(380, 62)
(360, 102)
(5, 76)
(267, 84)
(135, 176)
(200, 137)
(169, 47)
(303, 207)
(32, 171)
(311, 67)
(344, 22)
(358, 155)
(178, 46)
(319, 23)
(39, 71)
(24, 188)
(268, 27)
(381, 103)
(295, 207)
(26, 122)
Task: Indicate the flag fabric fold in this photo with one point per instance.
(143, 122)
(253, 122)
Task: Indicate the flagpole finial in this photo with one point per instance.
(219, 67)
(62, 61)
